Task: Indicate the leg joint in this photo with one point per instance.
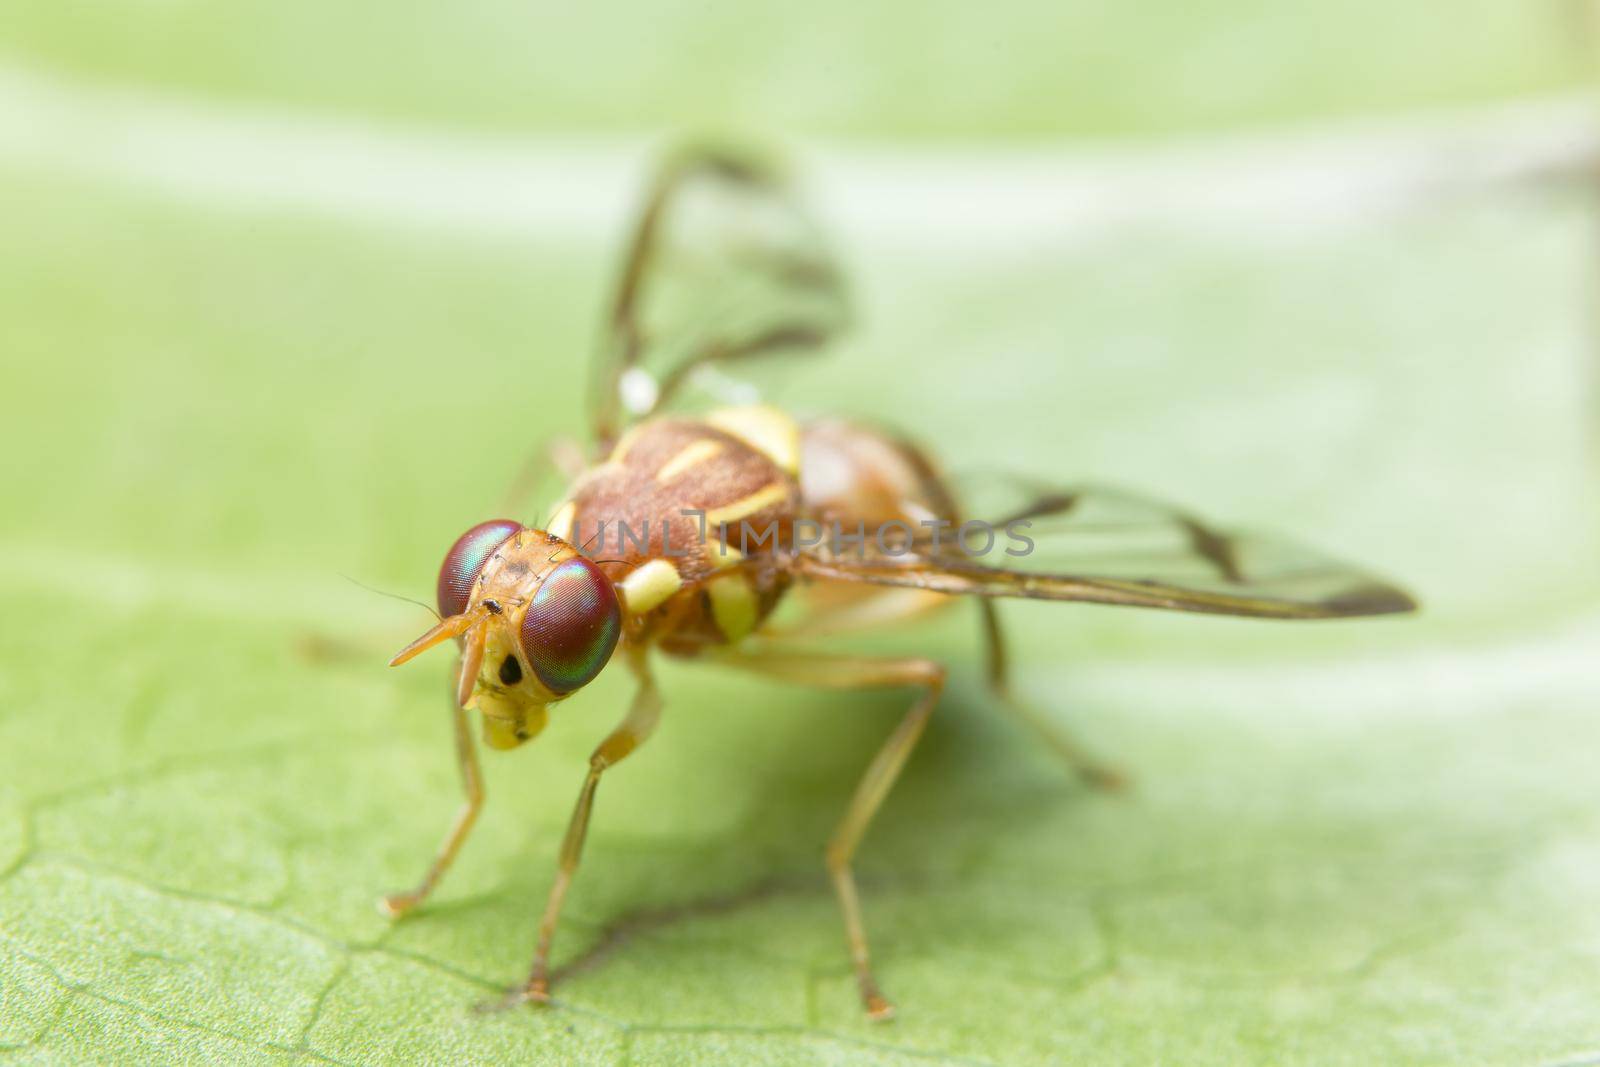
(926, 672)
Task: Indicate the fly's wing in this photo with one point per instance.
(1108, 547)
(724, 266)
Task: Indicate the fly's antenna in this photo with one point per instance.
(392, 596)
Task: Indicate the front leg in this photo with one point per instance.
(641, 720)
(397, 904)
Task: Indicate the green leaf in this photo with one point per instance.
(1355, 843)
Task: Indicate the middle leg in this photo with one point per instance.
(854, 672)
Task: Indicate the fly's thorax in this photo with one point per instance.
(685, 506)
(670, 485)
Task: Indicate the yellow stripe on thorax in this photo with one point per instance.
(764, 428)
(747, 506)
(691, 454)
(619, 451)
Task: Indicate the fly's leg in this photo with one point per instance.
(882, 608)
(847, 672)
(641, 720)
(397, 904)
(997, 673)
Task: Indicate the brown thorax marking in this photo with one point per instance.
(662, 469)
(676, 576)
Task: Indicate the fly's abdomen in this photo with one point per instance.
(855, 475)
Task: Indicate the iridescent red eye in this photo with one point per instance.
(571, 626)
(466, 558)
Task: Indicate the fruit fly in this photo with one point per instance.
(724, 267)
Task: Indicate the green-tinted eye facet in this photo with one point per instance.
(466, 558)
(571, 626)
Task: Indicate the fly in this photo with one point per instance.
(680, 535)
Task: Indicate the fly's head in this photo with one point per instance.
(536, 622)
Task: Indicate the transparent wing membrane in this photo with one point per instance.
(724, 266)
(1104, 546)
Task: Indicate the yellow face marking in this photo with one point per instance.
(772, 494)
(506, 724)
(733, 606)
(648, 586)
(691, 454)
(561, 525)
(766, 429)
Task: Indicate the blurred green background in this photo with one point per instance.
(287, 292)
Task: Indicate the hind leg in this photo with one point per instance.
(997, 674)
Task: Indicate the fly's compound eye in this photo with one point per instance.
(466, 558)
(571, 626)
